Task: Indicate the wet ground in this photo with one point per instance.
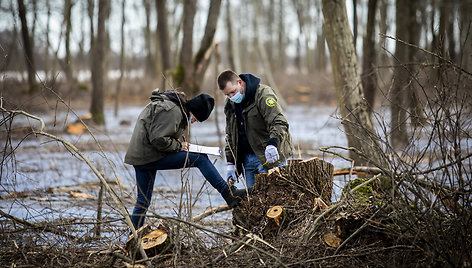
(40, 178)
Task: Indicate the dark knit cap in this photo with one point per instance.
(201, 106)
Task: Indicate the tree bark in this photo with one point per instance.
(184, 73)
(354, 21)
(320, 50)
(90, 10)
(264, 58)
(300, 8)
(163, 33)
(233, 53)
(281, 37)
(151, 69)
(48, 44)
(398, 94)
(68, 58)
(28, 48)
(416, 108)
(99, 71)
(369, 73)
(465, 30)
(122, 58)
(202, 58)
(352, 105)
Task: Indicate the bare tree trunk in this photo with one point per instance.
(320, 49)
(33, 24)
(92, 27)
(12, 47)
(320, 59)
(270, 32)
(217, 60)
(465, 30)
(352, 105)
(67, 22)
(451, 30)
(28, 48)
(369, 73)
(48, 44)
(264, 58)
(99, 64)
(354, 21)
(163, 33)
(150, 62)
(300, 8)
(398, 105)
(281, 37)
(122, 58)
(184, 73)
(416, 108)
(82, 59)
(202, 58)
(233, 54)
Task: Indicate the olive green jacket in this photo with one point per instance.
(156, 133)
(264, 120)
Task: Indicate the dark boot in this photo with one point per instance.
(232, 196)
(239, 192)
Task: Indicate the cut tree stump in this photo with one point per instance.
(294, 187)
(154, 240)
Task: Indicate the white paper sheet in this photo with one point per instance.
(205, 150)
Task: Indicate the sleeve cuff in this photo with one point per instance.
(273, 141)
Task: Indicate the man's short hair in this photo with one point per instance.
(225, 77)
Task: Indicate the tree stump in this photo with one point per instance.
(293, 187)
(154, 240)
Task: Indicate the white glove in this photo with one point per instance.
(271, 154)
(231, 173)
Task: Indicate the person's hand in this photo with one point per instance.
(185, 146)
(271, 154)
(231, 173)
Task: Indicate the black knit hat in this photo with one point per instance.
(201, 106)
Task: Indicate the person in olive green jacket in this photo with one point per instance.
(257, 132)
(156, 144)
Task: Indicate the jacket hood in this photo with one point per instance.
(252, 82)
(155, 95)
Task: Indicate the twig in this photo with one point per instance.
(113, 195)
(211, 212)
(426, 51)
(99, 209)
(220, 234)
(46, 228)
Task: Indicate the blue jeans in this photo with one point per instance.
(253, 166)
(146, 174)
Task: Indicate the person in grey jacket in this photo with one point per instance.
(257, 132)
(156, 144)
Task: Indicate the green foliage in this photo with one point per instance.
(179, 76)
(98, 118)
(83, 87)
(367, 189)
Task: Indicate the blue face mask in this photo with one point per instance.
(237, 98)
